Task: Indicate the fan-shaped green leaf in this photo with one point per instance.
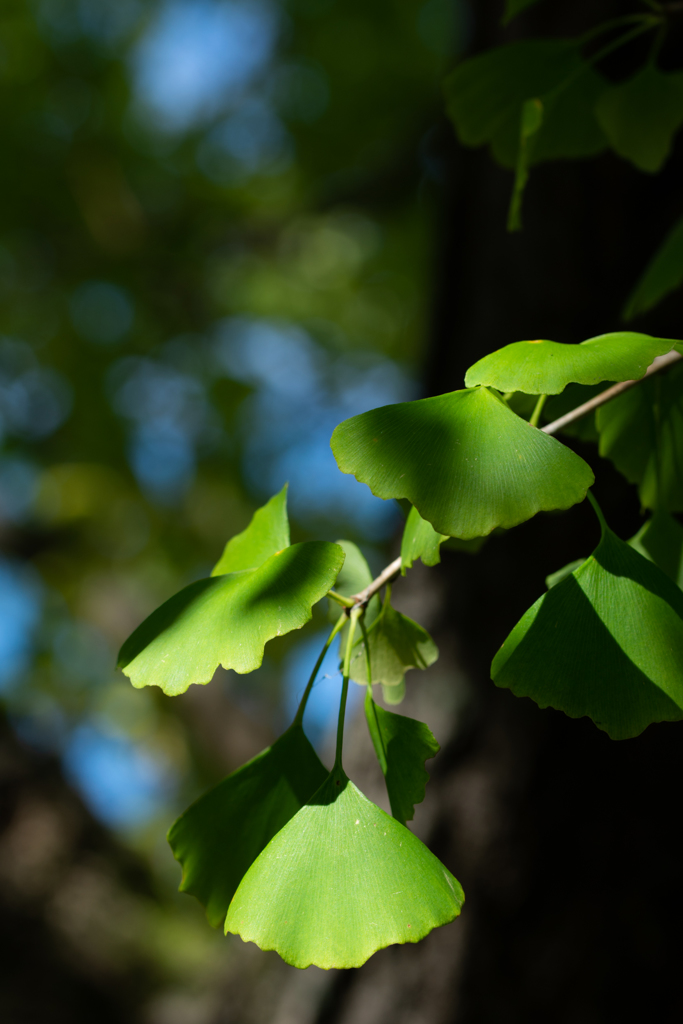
(267, 533)
(663, 274)
(546, 367)
(641, 432)
(396, 645)
(341, 880)
(420, 540)
(606, 642)
(465, 461)
(485, 95)
(641, 116)
(222, 833)
(402, 746)
(227, 620)
(661, 540)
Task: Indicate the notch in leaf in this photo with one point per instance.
(402, 746)
(222, 833)
(465, 460)
(341, 880)
(606, 642)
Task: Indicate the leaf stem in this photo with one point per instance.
(299, 717)
(353, 617)
(345, 602)
(598, 512)
(536, 414)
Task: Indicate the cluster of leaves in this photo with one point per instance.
(545, 99)
(295, 858)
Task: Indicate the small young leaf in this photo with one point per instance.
(606, 642)
(663, 274)
(267, 533)
(660, 540)
(396, 645)
(402, 746)
(465, 460)
(546, 367)
(641, 432)
(227, 620)
(641, 116)
(420, 540)
(222, 833)
(341, 880)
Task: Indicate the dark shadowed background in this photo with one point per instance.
(225, 226)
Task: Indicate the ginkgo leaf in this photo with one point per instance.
(661, 540)
(341, 880)
(485, 95)
(465, 460)
(641, 116)
(641, 432)
(402, 746)
(556, 577)
(396, 645)
(663, 274)
(222, 833)
(267, 533)
(420, 540)
(354, 576)
(227, 620)
(546, 367)
(606, 642)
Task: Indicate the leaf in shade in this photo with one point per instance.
(641, 432)
(341, 880)
(227, 620)
(402, 746)
(267, 533)
(641, 116)
(546, 367)
(396, 645)
(222, 833)
(531, 122)
(420, 540)
(572, 397)
(485, 94)
(663, 274)
(660, 540)
(606, 642)
(465, 460)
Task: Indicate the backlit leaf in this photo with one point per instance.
(396, 645)
(641, 432)
(485, 95)
(267, 533)
(663, 274)
(606, 642)
(420, 540)
(661, 540)
(402, 746)
(641, 116)
(341, 880)
(227, 620)
(222, 833)
(546, 367)
(465, 460)
(394, 694)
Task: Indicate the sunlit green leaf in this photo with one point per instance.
(267, 533)
(663, 274)
(341, 880)
(396, 645)
(485, 95)
(546, 367)
(606, 642)
(223, 832)
(227, 620)
(402, 746)
(465, 460)
(661, 540)
(641, 116)
(641, 432)
(420, 540)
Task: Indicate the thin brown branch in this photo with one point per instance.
(660, 363)
(363, 596)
